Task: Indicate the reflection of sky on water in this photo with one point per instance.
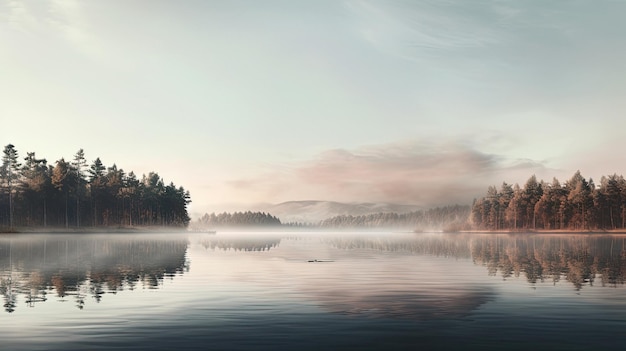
(362, 274)
(261, 288)
(366, 283)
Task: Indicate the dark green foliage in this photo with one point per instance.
(577, 205)
(9, 173)
(70, 194)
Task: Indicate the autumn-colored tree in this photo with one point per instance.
(63, 179)
(36, 183)
(579, 196)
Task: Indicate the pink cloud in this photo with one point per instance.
(425, 173)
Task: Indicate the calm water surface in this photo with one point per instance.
(312, 291)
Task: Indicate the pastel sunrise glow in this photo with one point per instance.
(410, 102)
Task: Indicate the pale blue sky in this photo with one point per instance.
(422, 102)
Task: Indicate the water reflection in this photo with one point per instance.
(429, 244)
(74, 267)
(579, 259)
(343, 273)
(261, 243)
(266, 290)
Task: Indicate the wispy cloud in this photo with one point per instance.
(536, 53)
(21, 16)
(64, 21)
(411, 29)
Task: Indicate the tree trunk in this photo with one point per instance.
(583, 214)
(10, 206)
(67, 221)
(95, 212)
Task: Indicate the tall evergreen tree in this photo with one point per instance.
(97, 182)
(79, 164)
(10, 174)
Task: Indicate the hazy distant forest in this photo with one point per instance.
(75, 194)
(578, 204)
(447, 217)
(450, 218)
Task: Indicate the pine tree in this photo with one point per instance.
(10, 174)
(96, 185)
(79, 164)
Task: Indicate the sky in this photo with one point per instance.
(243, 102)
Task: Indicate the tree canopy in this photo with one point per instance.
(78, 194)
(577, 204)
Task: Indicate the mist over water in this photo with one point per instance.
(303, 290)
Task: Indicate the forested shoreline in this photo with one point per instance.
(446, 217)
(66, 194)
(451, 217)
(76, 194)
(248, 218)
(578, 204)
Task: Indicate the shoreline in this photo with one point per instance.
(546, 231)
(161, 229)
(92, 230)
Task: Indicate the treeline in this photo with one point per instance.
(247, 218)
(77, 194)
(440, 218)
(578, 204)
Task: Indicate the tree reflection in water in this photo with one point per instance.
(76, 266)
(428, 244)
(579, 259)
(241, 243)
(81, 268)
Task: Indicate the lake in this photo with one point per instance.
(312, 291)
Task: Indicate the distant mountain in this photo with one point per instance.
(316, 211)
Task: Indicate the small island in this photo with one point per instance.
(75, 194)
